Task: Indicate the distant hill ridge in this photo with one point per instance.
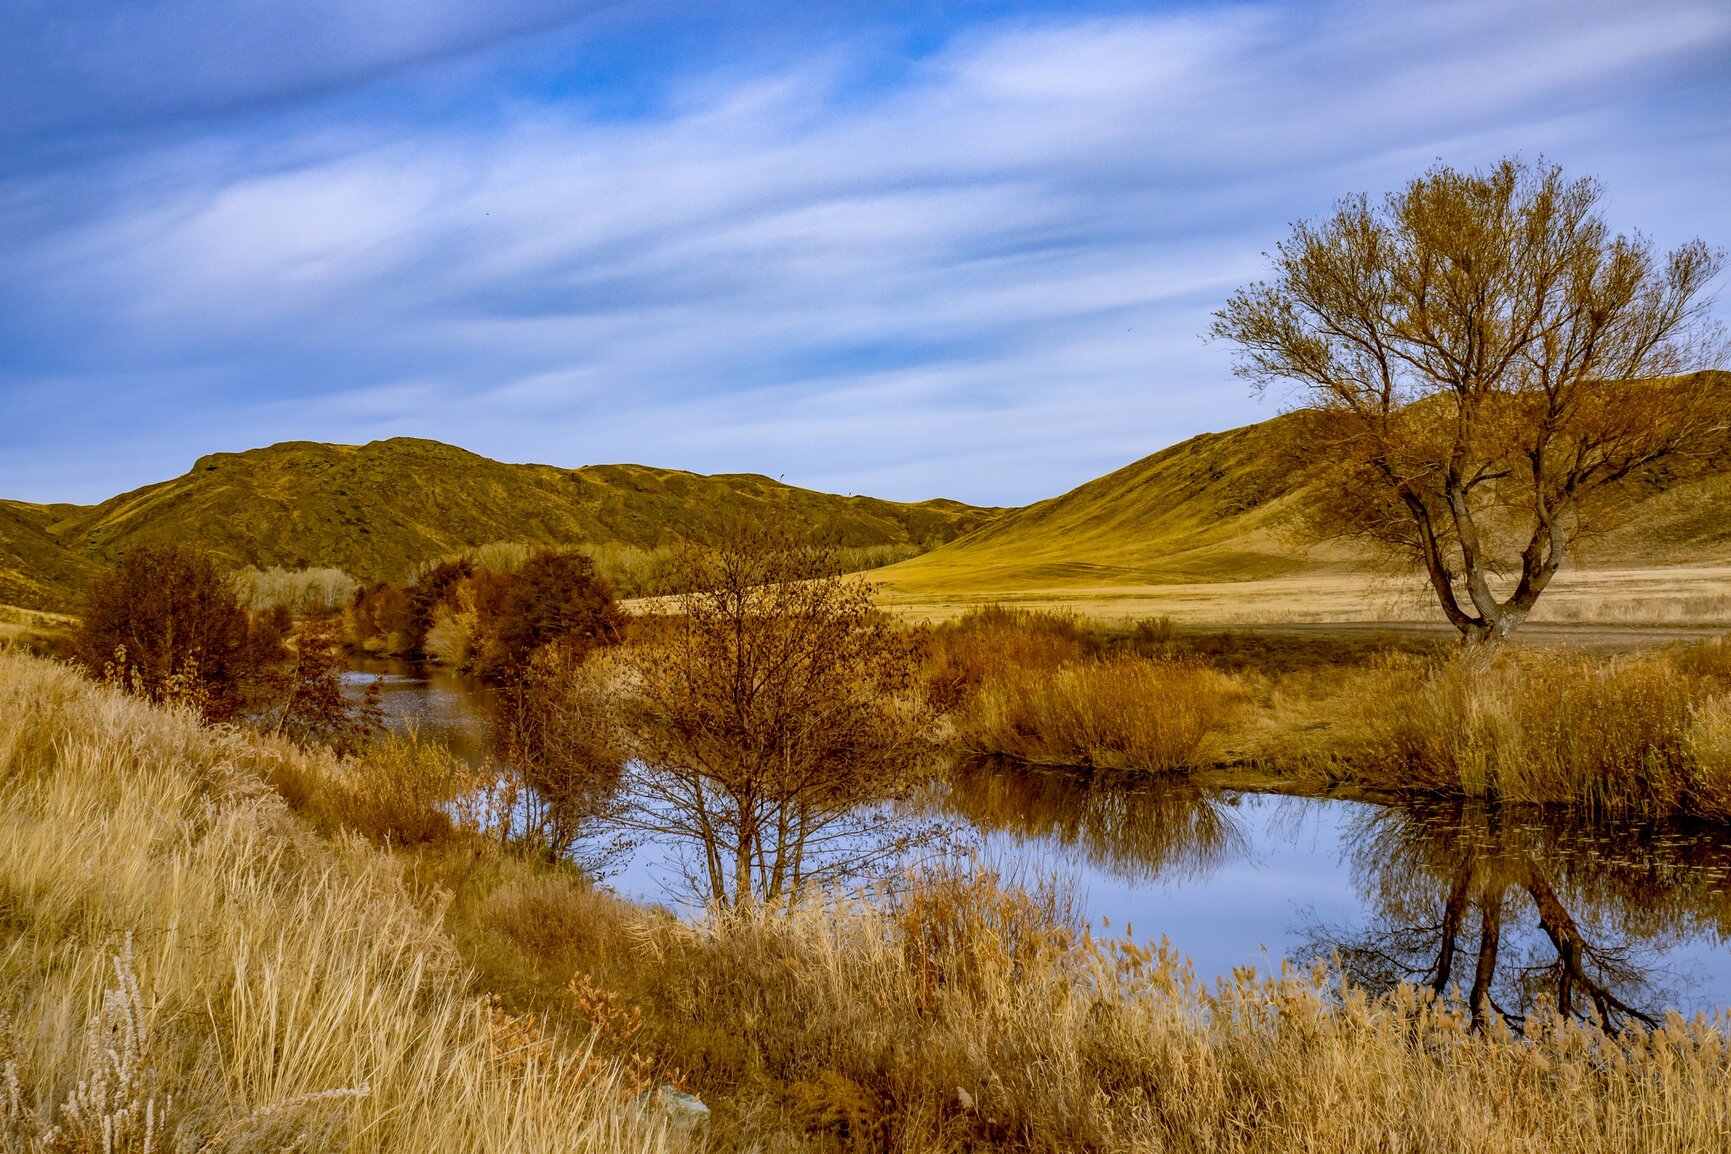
(1229, 506)
(380, 509)
(1217, 507)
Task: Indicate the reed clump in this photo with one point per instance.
(1649, 733)
(1042, 689)
(1123, 714)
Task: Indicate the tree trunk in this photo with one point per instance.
(1485, 967)
(1453, 913)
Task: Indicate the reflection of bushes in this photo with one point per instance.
(1504, 911)
(1137, 832)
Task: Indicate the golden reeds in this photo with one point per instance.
(276, 966)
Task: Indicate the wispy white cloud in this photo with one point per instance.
(985, 279)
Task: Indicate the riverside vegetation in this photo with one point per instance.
(1645, 733)
(371, 951)
(389, 976)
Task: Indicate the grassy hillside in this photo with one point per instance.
(1221, 506)
(378, 510)
(1228, 507)
(1217, 508)
(36, 570)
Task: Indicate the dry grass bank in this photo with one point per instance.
(275, 964)
(278, 983)
(978, 1022)
(1647, 733)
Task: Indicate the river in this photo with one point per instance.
(1639, 916)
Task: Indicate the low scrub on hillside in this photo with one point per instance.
(285, 987)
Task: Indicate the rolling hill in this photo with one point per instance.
(1220, 507)
(1228, 507)
(379, 510)
(36, 570)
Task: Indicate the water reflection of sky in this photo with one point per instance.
(1230, 879)
(1235, 912)
(433, 703)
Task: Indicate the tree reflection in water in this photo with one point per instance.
(1514, 907)
(1166, 828)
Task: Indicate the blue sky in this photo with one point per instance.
(903, 249)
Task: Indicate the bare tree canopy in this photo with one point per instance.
(767, 714)
(1485, 358)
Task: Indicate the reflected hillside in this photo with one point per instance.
(1505, 912)
(1164, 828)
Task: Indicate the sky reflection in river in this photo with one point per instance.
(1423, 894)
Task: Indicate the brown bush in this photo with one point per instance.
(165, 623)
(1123, 713)
(1637, 734)
(961, 655)
(397, 790)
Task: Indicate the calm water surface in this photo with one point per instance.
(1635, 917)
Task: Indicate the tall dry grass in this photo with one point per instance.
(1043, 689)
(976, 1018)
(1122, 714)
(277, 982)
(1648, 733)
(300, 591)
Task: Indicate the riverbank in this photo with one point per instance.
(1617, 732)
(482, 1002)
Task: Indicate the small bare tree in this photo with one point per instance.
(555, 728)
(766, 714)
(1487, 359)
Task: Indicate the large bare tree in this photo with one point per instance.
(1487, 360)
